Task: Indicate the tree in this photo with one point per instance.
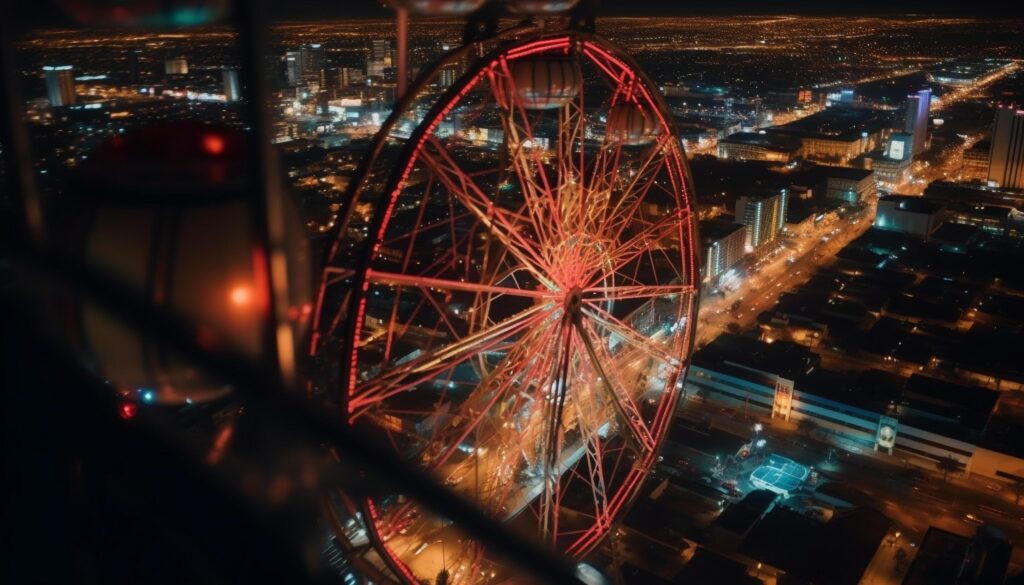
(947, 465)
(806, 426)
(1017, 489)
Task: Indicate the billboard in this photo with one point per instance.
(783, 403)
(885, 436)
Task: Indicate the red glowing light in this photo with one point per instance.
(128, 410)
(213, 144)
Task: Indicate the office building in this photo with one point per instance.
(723, 243)
(915, 122)
(891, 174)
(918, 216)
(232, 87)
(1006, 159)
(350, 76)
(764, 216)
(381, 57)
(847, 185)
(975, 162)
(293, 67)
(176, 66)
(755, 146)
(60, 85)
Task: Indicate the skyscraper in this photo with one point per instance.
(293, 67)
(382, 56)
(763, 215)
(60, 85)
(232, 89)
(1006, 157)
(915, 122)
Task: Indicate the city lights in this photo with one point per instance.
(466, 292)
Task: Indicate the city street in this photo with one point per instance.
(778, 274)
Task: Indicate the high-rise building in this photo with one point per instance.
(176, 66)
(1006, 157)
(349, 76)
(723, 243)
(382, 56)
(232, 88)
(303, 65)
(764, 217)
(60, 85)
(915, 121)
(293, 67)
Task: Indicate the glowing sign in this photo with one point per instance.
(783, 403)
(885, 436)
(896, 149)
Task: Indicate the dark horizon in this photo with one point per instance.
(47, 14)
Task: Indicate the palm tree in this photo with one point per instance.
(947, 465)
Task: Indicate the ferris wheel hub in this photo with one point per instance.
(573, 302)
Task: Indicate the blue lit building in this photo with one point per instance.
(918, 416)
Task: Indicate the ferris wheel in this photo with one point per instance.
(512, 295)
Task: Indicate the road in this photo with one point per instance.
(779, 273)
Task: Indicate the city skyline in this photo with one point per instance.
(722, 298)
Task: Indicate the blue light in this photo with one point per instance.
(148, 395)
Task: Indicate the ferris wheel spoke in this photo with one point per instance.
(665, 229)
(619, 293)
(505, 225)
(553, 408)
(641, 437)
(492, 389)
(393, 278)
(434, 362)
(594, 453)
(630, 335)
(526, 159)
(634, 192)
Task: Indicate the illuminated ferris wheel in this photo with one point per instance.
(512, 295)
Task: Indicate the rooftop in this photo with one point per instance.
(707, 566)
(746, 355)
(775, 142)
(912, 204)
(740, 516)
(836, 552)
(712, 230)
(848, 173)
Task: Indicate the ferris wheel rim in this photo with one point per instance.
(394, 184)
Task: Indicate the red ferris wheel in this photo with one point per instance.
(512, 296)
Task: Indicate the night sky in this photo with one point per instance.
(46, 13)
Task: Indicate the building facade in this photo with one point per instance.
(746, 373)
(848, 185)
(723, 243)
(764, 216)
(60, 85)
(915, 121)
(1006, 161)
(918, 216)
